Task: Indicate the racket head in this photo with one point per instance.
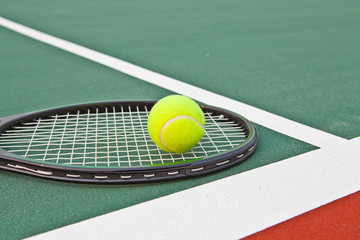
(184, 167)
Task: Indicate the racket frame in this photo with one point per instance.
(16, 163)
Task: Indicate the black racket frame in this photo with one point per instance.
(15, 163)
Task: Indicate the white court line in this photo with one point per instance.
(233, 207)
(264, 118)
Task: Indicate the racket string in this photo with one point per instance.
(48, 143)
(160, 156)
(144, 133)
(115, 137)
(32, 137)
(126, 142)
(74, 139)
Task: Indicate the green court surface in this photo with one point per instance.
(299, 60)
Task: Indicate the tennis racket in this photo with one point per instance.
(109, 143)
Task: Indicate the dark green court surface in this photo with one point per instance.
(299, 60)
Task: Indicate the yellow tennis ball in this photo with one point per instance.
(176, 123)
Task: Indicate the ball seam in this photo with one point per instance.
(173, 120)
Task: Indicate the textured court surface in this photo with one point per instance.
(297, 60)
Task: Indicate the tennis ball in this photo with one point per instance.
(176, 123)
